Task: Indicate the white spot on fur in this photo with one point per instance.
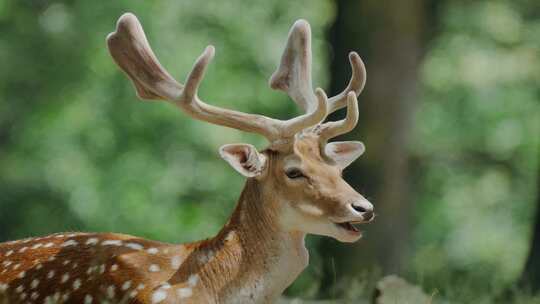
(193, 279)
(114, 267)
(112, 243)
(133, 294)
(21, 274)
(34, 295)
(110, 292)
(19, 289)
(158, 296)
(92, 241)
(134, 246)
(36, 246)
(152, 250)
(91, 269)
(16, 266)
(126, 285)
(39, 266)
(65, 277)
(48, 245)
(176, 261)
(165, 286)
(102, 268)
(184, 293)
(9, 253)
(76, 284)
(34, 284)
(3, 287)
(66, 262)
(50, 275)
(153, 268)
(88, 299)
(141, 286)
(69, 243)
(23, 249)
(230, 236)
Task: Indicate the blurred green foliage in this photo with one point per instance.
(79, 152)
(476, 144)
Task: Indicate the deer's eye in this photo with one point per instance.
(294, 173)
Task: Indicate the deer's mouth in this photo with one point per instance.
(352, 227)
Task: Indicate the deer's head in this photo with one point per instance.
(300, 169)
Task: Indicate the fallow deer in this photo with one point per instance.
(294, 187)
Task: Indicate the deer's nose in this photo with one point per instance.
(365, 209)
(358, 208)
(368, 216)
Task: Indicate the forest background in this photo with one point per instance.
(450, 116)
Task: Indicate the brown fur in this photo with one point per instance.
(260, 251)
(249, 247)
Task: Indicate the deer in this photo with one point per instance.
(293, 187)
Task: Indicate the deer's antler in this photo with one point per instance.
(131, 51)
(332, 129)
(356, 84)
(293, 76)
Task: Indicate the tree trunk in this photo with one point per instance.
(389, 38)
(530, 278)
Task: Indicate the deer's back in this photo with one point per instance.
(86, 268)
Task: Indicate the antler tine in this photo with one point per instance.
(334, 128)
(271, 128)
(299, 123)
(191, 104)
(356, 84)
(131, 51)
(293, 75)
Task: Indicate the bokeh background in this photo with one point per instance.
(450, 117)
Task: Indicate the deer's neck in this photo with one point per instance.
(261, 259)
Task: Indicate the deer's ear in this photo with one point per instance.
(344, 152)
(244, 158)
